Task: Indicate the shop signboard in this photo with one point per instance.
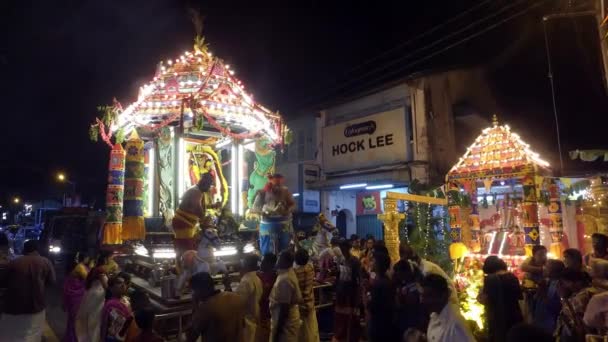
(374, 140)
(311, 173)
(311, 201)
(368, 203)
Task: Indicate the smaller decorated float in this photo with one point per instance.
(502, 201)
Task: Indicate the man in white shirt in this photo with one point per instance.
(250, 288)
(406, 252)
(446, 323)
(284, 300)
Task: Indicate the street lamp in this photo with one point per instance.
(16, 200)
(61, 177)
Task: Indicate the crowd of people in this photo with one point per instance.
(376, 298)
(96, 300)
(374, 301)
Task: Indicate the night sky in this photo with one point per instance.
(59, 60)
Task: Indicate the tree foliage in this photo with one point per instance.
(426, 228)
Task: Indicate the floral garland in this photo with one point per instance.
(223, 130)
(106, 137)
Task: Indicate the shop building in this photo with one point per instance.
(382, 140)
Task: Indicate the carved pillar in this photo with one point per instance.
(391, 218)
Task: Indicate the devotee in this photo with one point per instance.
(116, 316)
(576, 291)
(548, 300)
(355, 242)
(347, 312)
(406, 252)
(445, 324)
(309, 332)
(73, 292)
(268, 276)
(217, 315)
(145, 320)
(599, 274)
(500, 295)
(250, 289)
(192, 210)
(366, 254)
(410, 313)
(599, 243)
(533, 268)
(139, 300)
(275, 204)
(88, 318)
(24, 311)
(573, 259)
(284, 300)
(328, 259)
(381, 301)
(596, 314)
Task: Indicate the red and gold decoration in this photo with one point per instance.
(199, 89)
(556, 227)
(133, 220)
(497, 156)
(112, 230)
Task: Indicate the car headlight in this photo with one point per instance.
(54, 249)
(225, 251)
(248, 248)
(163, 254)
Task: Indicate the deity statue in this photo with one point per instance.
(275, 205)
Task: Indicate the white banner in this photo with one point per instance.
(370, 141)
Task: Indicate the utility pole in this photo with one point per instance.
(602, 30)
(550, 75)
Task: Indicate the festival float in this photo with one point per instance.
(502, 201)
(193, 117)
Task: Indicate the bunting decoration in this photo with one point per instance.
(589, 155)
(112, 230)
(133, 221)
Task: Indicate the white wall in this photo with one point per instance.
(346, 200)
(290, 172)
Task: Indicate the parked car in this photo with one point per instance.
(66, 235)
(24, 234)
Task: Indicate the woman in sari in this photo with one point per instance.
(73, 291)
(88, 319)
(116, 316)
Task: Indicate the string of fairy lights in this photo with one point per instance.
(217, 93)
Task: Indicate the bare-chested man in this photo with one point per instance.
(191, 210)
